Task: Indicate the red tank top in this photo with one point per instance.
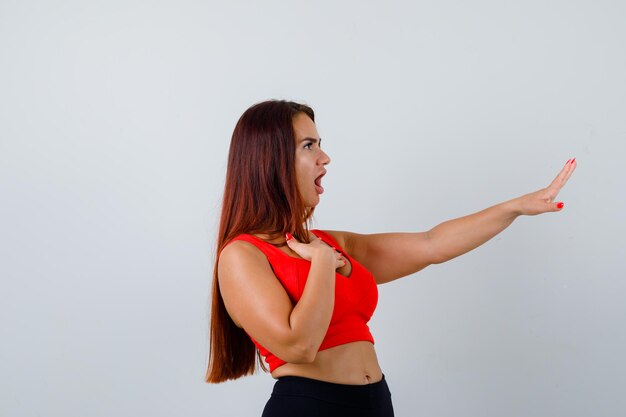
(356, 296)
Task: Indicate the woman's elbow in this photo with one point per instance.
(299, 352)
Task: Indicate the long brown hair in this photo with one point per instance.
(260, 196)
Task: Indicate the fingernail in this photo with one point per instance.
(560, 205)
(568, 161)
(572, 161)
(288, 236)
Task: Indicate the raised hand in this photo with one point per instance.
(542, 201)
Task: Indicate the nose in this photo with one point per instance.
(324, 158)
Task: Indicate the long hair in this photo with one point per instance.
(260, 196)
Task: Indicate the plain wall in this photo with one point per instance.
(115, 121)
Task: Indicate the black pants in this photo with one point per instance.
(295, 396)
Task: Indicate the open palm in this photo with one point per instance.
(542, 201)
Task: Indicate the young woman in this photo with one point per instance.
(301, 298)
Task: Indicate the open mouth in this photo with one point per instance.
(318, 184)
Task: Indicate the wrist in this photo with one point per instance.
(513, 208)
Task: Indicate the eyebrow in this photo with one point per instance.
(314, 140)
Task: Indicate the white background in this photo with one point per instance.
(115, 120)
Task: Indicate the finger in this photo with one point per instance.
(558, 180)
(570, 167)
(571, 170)
(563, 176)
(549, 206)
(290, 240)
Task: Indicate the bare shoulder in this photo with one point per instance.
(244, 273)
(388, 256)
(239, 251)
(240, 261)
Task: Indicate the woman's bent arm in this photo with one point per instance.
(257, 302)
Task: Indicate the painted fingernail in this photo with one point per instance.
(568, 161)
(288, 236)
(572, 161)
(560, 205)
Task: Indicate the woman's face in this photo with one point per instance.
(310, 160)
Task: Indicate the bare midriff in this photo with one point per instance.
(353, 363)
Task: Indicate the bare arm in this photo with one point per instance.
(390, 256)
(257, 302)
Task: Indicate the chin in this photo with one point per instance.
(312, 202)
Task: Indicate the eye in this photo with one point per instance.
(309, 145)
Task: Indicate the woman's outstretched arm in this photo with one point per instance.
(390, 256)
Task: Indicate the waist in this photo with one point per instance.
(361, 396)
(352, 363)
